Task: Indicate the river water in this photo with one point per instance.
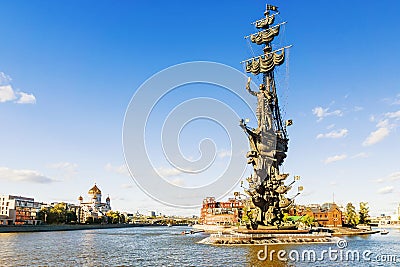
(165, 246)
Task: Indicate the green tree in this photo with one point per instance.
(351, 215)
(122, 218)
(70, 216)
(307, 220)
(42, 214)
(285, 217)
(248, 215)
(115, 217)
(364, 213)
(58, 213)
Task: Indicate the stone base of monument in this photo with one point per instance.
(271, 237)
(269, 227)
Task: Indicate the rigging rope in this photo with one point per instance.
(253, 55)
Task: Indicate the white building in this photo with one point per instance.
(93, 208)
(18, 210)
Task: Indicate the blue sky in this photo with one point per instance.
(69, 69)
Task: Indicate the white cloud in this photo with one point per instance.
(178, 182)
(122, 169)
(394, 176)
(393, 115)
(385, 125)
(386, 190)
(168, 172)
(335, 158)
(376, 136)
(321, 113)
(4, 78)
(360, 155)
(358, 108)
(24, 176)
(331, 126)
(334, 134)
(6, 93)
(26, 98)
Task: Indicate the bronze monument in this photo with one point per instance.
(267, 200)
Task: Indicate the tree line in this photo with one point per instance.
(354, 218)
(61, 213)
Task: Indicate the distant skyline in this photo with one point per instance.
(69, 69)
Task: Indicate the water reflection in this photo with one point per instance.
(256, 256)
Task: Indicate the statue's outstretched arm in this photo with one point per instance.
(248, 87)
(247, 130)
(242, 124)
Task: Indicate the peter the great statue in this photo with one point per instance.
(268, 142)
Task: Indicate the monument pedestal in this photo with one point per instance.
(269, 237)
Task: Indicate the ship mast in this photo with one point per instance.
(255, 65)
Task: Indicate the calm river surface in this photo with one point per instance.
(164, 246)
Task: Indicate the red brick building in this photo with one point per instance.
(327, 215)
(220, 213)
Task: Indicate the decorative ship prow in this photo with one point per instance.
(267, 200)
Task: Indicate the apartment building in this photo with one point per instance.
(15, 210)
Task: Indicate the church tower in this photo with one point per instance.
(108, 202)
(95, 194)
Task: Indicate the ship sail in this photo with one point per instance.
(264, 23)
(266, 36)
(264, 64)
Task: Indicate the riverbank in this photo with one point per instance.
(66, 227)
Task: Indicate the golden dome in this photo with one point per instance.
(108, 198)
(94, 190)
(80, 198)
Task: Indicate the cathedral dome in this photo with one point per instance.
(80, 198)
(94, 190)
(108, 199)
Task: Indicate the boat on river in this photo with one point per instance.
(384, 232)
